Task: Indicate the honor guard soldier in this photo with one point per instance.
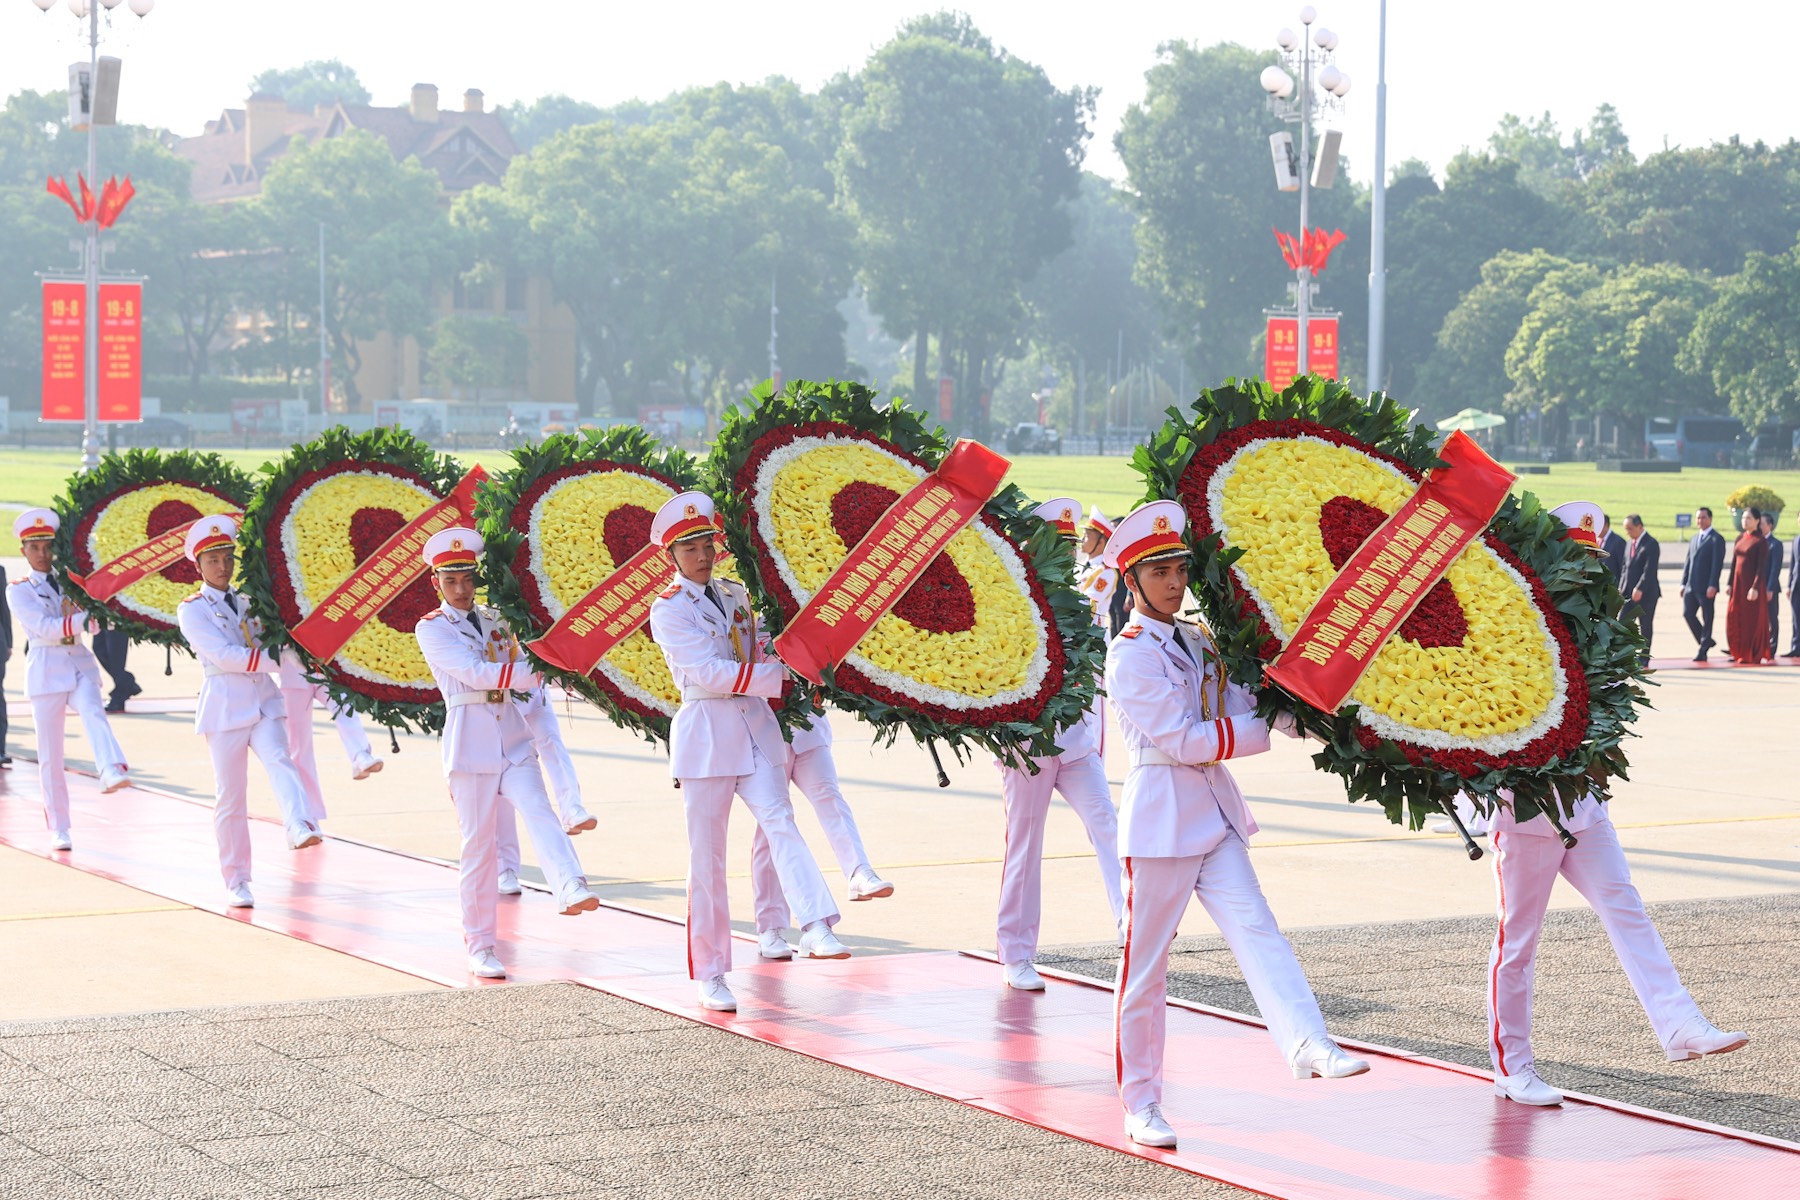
(60, 673)
(488, 755)
(240, 708)
(297, 696)
(812, 768)
(1528, 856)
(725, 741)
(1184, 826)
(1099, 582)
(565, 788)
(1079, 773)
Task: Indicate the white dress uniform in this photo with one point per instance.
(813, 769)
(725, 741)
(60, 673)
(1184, 829)
(488, 757)
(1528, 856)
(559, 770)
(298, 694)
(1079, 774)
(239, 712)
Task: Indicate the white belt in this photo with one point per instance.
(211, 670)
(491, 696)
(698, 693)
(1150, 756)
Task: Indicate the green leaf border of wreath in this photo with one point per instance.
(1579, 585)
(494, 505)
(132, 469)
(803, 402)
(388, 445)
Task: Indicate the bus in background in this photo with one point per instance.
(1695, 441)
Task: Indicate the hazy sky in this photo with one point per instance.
(1454, 66)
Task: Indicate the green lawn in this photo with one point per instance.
(33, 477)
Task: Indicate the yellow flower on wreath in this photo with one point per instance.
(1498, 682)
(993, 656)
(123, 525)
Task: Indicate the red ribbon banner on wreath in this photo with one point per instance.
(158, 554)
(607, 615)
(889, 559)
(1389, 574)
(382, 576)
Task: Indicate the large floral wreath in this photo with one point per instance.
(128, 500)
(991, 646)
(1514, 672)
(557, 525)
(324, 508)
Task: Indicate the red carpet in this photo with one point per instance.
(941, 1022)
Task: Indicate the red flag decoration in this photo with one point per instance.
(1312, 249)
(87, 197)
(113, 199)
(1389, 574)
(59, 188)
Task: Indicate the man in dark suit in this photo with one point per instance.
(1642, 590)
(1613, 546)
(1793, 650)
(1700, 581)
(1774, 586)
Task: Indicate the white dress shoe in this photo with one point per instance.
(299, 837)
(1023, 977)
(1146, 1127)
(509, 883)
(715, 996)
(866, 885)
(114, 778)
(240, 896)
(1699, 1038)
(817, 941)
(485, 964)
(1321, 1058)
(60, 840)
(579, 821)
(577, 899)
(365, 765)
(773, 945)
(1526, 1088)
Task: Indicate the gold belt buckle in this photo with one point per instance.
(68, 641)
(495, 696)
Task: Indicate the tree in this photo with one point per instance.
(1597, 343)
(1704, 209)
(1436, 247)
(955, 161)
(1547, 164)
(1084, 296)
(1196, 154)
(1467, 367)
(477, 352)
(322, 81)
(388, 244)
(535, 123)
(1747, 342)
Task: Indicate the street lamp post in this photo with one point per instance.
(89, 11)
(1322, 87)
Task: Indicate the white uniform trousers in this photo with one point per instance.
(230, 750)
(1525, 869)
(350, 731)
(485, 802)
(49, 714)
(559, 770)
(1082, 782)
(815, 774)
(1157, 891)
(708, 802)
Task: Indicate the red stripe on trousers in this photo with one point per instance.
(1124, 979)
(1499, 951)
